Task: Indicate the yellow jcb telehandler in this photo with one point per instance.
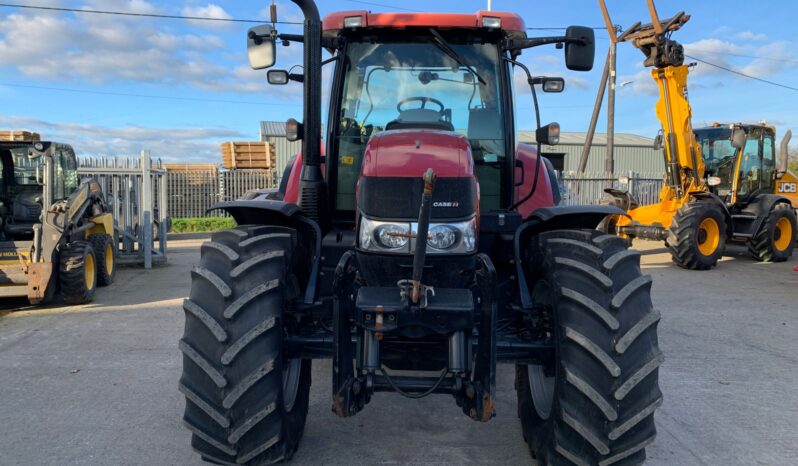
(697, 215)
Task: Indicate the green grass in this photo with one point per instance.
(201, 224)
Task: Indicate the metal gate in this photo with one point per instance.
(136, 193)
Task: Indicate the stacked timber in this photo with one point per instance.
(20, 136)
(237, 155)
(190, 167)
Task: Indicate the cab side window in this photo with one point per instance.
(768, 163)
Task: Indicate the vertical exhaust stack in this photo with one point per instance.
(784, 151)
(312, 191)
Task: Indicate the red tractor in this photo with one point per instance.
(418, 249)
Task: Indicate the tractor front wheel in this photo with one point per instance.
(246, 403)
(776, 238)
(594, 402)
(78, 272)
(697, 236)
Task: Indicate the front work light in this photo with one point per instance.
(353, 22)
(491, 22)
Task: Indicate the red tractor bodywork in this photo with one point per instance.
(511, 23)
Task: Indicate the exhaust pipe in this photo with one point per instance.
(312, 190)
(784, 151)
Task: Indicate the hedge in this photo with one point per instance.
(201, 224)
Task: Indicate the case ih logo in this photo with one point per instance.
(788, 187)
(446, 204)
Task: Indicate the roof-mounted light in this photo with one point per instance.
(353, 22)
(491, 22)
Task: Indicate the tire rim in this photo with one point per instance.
(89, 271)
(708, 236)
(109, 258)
(782, 236)
(292, 369)
(541, 386)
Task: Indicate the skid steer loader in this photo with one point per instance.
(55, 231)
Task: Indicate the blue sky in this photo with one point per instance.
(208, 94)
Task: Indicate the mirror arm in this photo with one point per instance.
(521, 44)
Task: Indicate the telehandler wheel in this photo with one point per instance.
(776, 238)
(245, 403)
(697, 236)
(105, 250)
(78, 272)
(594, 402)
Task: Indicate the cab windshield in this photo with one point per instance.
(399, 85)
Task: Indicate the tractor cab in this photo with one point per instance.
(740, 160)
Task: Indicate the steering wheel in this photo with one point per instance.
(423, 101)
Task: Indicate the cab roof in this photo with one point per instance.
(511, 23)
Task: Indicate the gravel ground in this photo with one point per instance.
(97, 384)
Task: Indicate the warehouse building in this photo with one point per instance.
(632, 153)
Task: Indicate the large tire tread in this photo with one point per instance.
(762, 246)
(99, 241)
(682, 238)
(232, 349)
(71, 275)
(608, 357)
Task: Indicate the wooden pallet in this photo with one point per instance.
(20, 136)
(259, 154)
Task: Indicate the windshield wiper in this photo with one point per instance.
(440, 42)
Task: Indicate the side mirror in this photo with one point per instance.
(553, 84)
(738, 138)
(277, 77)
(580, 48)
(260, 47)
(548, 135)
(293, 130)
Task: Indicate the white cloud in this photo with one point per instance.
(100, 49)
(182, 145)
(748, 35)
(209, 11)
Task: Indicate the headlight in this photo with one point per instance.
(442, 236)
(395, 237)
(392, 236)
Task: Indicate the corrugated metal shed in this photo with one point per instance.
(274, 133)
(632, 153)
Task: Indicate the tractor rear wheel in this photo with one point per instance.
(245, 403)
(105, 250)
(77, 273)
(594, 402)
(776, 237)
(697, 236)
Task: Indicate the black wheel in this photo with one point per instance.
(245, 404)
(77, 272)
(697, 236)
(776, 237)
(105, 250)
(593, 403)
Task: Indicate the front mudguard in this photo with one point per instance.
(554, 218)
(279, 213)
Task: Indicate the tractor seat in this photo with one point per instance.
(420, 118)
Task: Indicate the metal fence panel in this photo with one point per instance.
(589, 188)
(192, 192)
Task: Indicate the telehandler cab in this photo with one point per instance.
(55, 231)
(422, 247)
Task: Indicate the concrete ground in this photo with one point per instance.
(97, 384)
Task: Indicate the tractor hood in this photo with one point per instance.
(390, 185)
(409, 153)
